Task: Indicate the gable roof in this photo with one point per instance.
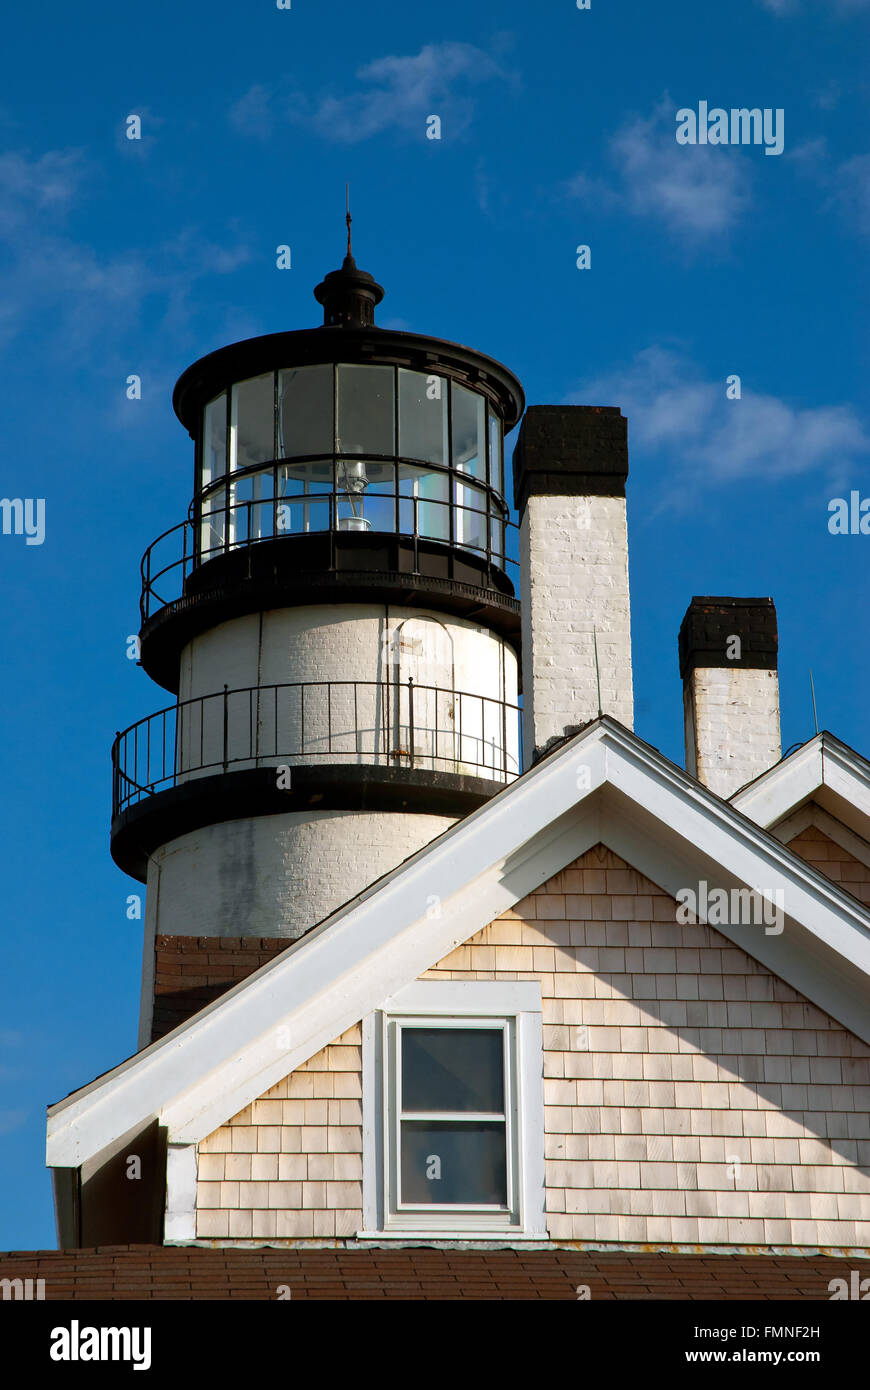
(823, 770)
(658, 818)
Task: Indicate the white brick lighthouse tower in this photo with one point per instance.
(335, 620)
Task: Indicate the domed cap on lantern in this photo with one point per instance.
(348, 295)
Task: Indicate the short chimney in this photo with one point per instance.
(570, 467)
(728, 651)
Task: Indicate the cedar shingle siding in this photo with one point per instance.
(690, 1095)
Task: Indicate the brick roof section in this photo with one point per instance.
(136, 1272)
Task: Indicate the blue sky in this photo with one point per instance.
(120, 257)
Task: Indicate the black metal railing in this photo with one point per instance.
(370, 723)
(172, 557)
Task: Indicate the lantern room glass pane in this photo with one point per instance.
(429, 513)
(471, 517)
(251, 514)
(496, 460)
(366, 410)
(295, 478)
(303, 499)
(422, 416)
(366, 495)
(469, 437)
(214, 440)
(252, 422)
(212, 529)
(305, 411)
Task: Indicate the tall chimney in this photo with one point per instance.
(728, 651)
(570, 467)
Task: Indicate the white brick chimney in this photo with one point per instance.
(570, 467)
(728, 653)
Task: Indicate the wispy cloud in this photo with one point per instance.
(82, 298)
(846, 185)
(11, 1120)
(683, 417)
(696, 191)
(789, 7)
(31, 188)
(395, 94)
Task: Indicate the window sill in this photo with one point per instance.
(497, 1235)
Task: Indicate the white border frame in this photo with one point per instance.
(519, 1001)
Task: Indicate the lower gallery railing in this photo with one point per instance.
(375, 723)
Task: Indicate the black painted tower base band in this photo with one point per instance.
(164, 816)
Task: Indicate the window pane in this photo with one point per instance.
(366, 410)
(214, 440)
(496, 469)
(252, 423)
(307, 486)
(212, 533)
(432, 511)
(421, 482)
(295, 478)
(366, 495)
(454, 1161)
(422, 416)
(469, 441)
(471, 521)
(305, 411)
(251, 513)
(453, 1069)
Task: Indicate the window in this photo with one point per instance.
(366, 410)
(252, 422)
(453, 1111)
(452, 1090)
(469, 432)
(422, 416)
(496, 461)
(305, 411)
(214, 441)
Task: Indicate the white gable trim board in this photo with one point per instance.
(605, 784)
(823, 770)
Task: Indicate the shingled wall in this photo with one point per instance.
(690, 1095)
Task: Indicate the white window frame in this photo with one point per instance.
(515, 1006)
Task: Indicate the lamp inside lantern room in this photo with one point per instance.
(353, 480)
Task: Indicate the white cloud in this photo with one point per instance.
(11, 1120)
(788, 7)
(85, 300)
(30, 188)
(696, 191)
(676, 413)
(850, 190)
(252, 113)
(847, 185)
(397, 93)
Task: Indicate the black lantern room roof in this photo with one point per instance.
(348, 334)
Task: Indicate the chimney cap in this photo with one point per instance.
(711, 622)
(571, 451)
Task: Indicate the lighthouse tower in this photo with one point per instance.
(335, 620)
